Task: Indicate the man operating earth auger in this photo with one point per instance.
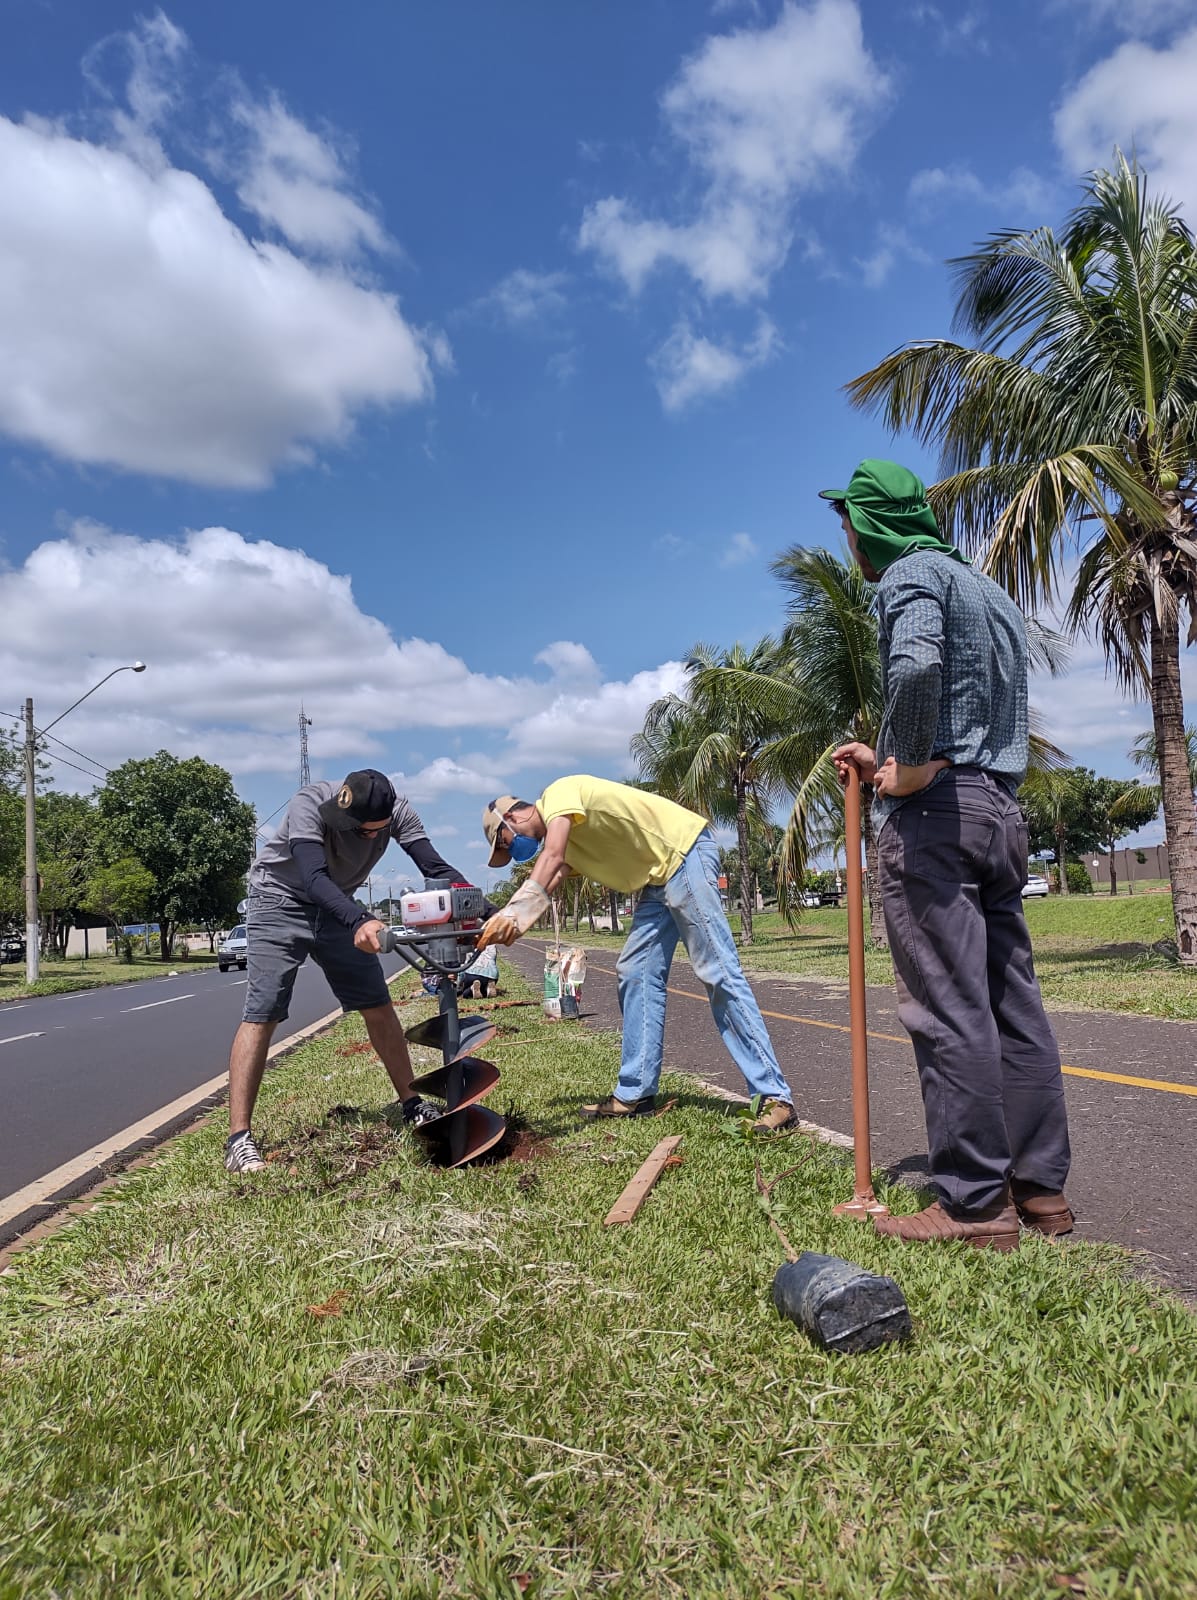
(632, 841)
(301, 904)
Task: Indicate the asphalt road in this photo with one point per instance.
(1134, 1145)
(76, 1069)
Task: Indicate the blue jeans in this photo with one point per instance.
(688, 908)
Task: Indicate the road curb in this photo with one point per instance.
(41, 1206)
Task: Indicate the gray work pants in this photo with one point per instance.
(953, 860)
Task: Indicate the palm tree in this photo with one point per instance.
(831, 642)
(831, 639)
(1142, 753)
(1052, 800)
(1074, 418)
(727, 748)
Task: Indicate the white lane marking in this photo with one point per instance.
(17, 1037)
(151, 1004)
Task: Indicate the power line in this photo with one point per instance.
(54, 739)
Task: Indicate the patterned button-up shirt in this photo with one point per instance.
(953, 671)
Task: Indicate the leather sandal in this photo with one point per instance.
(995, 1228)
(611, 1107)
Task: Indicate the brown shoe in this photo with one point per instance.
(611, 1107)
(1044, 1210)
(995, 1228)
(776, 1117)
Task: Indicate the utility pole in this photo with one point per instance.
(305, 770)
(32, 918)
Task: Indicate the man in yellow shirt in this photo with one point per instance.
(633, 841)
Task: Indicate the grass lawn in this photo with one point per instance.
(64, 977)
(1091, 951)
(357, 1376)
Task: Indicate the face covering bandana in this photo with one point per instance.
(523, 848)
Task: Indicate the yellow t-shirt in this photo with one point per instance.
(624, 837)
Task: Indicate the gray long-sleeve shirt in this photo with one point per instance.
(953, 671)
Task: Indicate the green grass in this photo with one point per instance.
(512, 1399)
(65, 977)
(1092, 952)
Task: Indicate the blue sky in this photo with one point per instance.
(455, 368)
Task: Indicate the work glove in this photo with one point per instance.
(526, 906)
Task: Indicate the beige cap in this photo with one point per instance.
(492, 820)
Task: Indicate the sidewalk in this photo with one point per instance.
(1131, 1085)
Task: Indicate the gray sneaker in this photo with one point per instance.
(241, 1154)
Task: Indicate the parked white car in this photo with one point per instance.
(233, 951)
(1035, 885)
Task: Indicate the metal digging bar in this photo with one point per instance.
(864, 1203)
(464, 1130)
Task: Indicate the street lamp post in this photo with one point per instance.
(32, 913)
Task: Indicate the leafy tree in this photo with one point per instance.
(727, 747)
(1074, 417)
(122, 892)
(1077, 812)
(183, 821)
(1120, 808)
(68, 844)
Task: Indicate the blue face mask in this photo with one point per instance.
(523, 848)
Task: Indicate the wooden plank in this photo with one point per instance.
(633, 1197)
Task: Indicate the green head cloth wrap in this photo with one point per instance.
(887, 506)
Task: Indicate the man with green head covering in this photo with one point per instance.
(952, 860)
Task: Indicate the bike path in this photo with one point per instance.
(1130, 1084)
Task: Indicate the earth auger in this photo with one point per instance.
(437, 934)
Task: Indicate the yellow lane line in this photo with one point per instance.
(894, 1038)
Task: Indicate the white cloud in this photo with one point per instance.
(1139, 17)
(689, 366)
(740, 548)
(140, 328)
(1142, 99)
(956, 30)
(237, 632)
(587, 727)
(524, 297)
(151, 56)
(476, 775)
(295, 181)
(762, 115)
(934, 187)
(569, 661)
(893, 245)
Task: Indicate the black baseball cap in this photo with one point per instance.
(366, 796)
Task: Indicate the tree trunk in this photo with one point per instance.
(590, 907)
(878, 934)
(1109, 843)
(577, 904)
(1061, 863)
(166, 938)
(745, 866)
(613, 896)
(1180, 821)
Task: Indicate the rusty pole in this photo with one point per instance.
(864, 1203)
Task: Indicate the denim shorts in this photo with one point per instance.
(281, 934)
